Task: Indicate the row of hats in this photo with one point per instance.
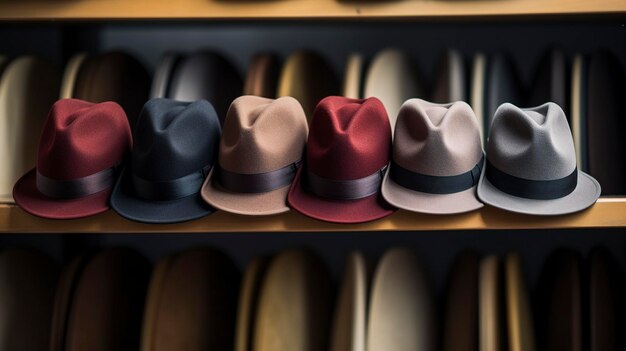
(591, 95)
(198, 300)
(349, 171)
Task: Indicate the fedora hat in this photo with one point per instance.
(28, 87)
(402, 314)
(104, 296)
(346, 157)
(27, 283)
(348, 333)
(606, 124)
(392, 78)
(353, 77)
(249, 302)
(262, 76)
(460, 324)
(79, 151)
(294, 310)
(307, 77)
(450, 82)
(436, 160)
(205, 75)
(114, 76)
(191, 303)
(175, 147)
(531, 164)
(260, 149)
(520, 329)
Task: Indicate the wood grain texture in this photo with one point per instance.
(608, 212)
(292, 9)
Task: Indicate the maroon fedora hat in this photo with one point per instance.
(346, 158)
(80, 147)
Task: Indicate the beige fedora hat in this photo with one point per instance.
(307, 77)
(489, 310)
(249, 302)
(262, 76)
(294, 311)
(353, 77)
(520, 330)
(191, 303)
(436, 160)
(28, 88)
(348, 333)
(450, 81)
(392, 78)
(27, 283)
(531, 164)
(70, 74)
(261, 146)
(401, 306)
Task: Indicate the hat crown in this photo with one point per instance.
(538, 138)
(262, 135)
(349, 138)
(174, 139)
(82, 138)
(437, 139)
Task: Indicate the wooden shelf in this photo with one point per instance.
(608, 212)
(20, 10)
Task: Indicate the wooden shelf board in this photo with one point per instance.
(608, 212)
(21, 10)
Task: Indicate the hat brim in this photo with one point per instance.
(31, 200)
(127, 204)
(585, 194)
(337, 211)
(415, 201)
(253, 204)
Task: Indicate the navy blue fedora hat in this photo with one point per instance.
(175, 147)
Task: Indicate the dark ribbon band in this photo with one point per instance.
(76, 188)
(435, 184)
(170, 189)
(531, 189)
(259, 182)
(345, 189)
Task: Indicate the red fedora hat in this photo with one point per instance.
(346, 158)
(80, 147)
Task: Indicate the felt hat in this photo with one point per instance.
(80, 150)
(307, 77)
(294, 308)
(531, 164)
(249, 302)
(450, 81)
(578, 110)
(346, 158)
(402, 313)
(27, 284)
(520, 329)
(176, 146)
(261, 147)
(436, 160)
(191, 302)
(28, 87)
(103, 294)
(460, 318)
(262, 76)
(606, 93)
(490, 324)
(353, 77)
(348, 331)
(392, 78)
(559, 302)
(163, 75)
(114, 76)
(205, 75)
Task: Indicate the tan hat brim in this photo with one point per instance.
(415, 201)
(252, 204)
(585, 194)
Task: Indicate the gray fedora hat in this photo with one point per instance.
(436, 160)
(531, 163)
